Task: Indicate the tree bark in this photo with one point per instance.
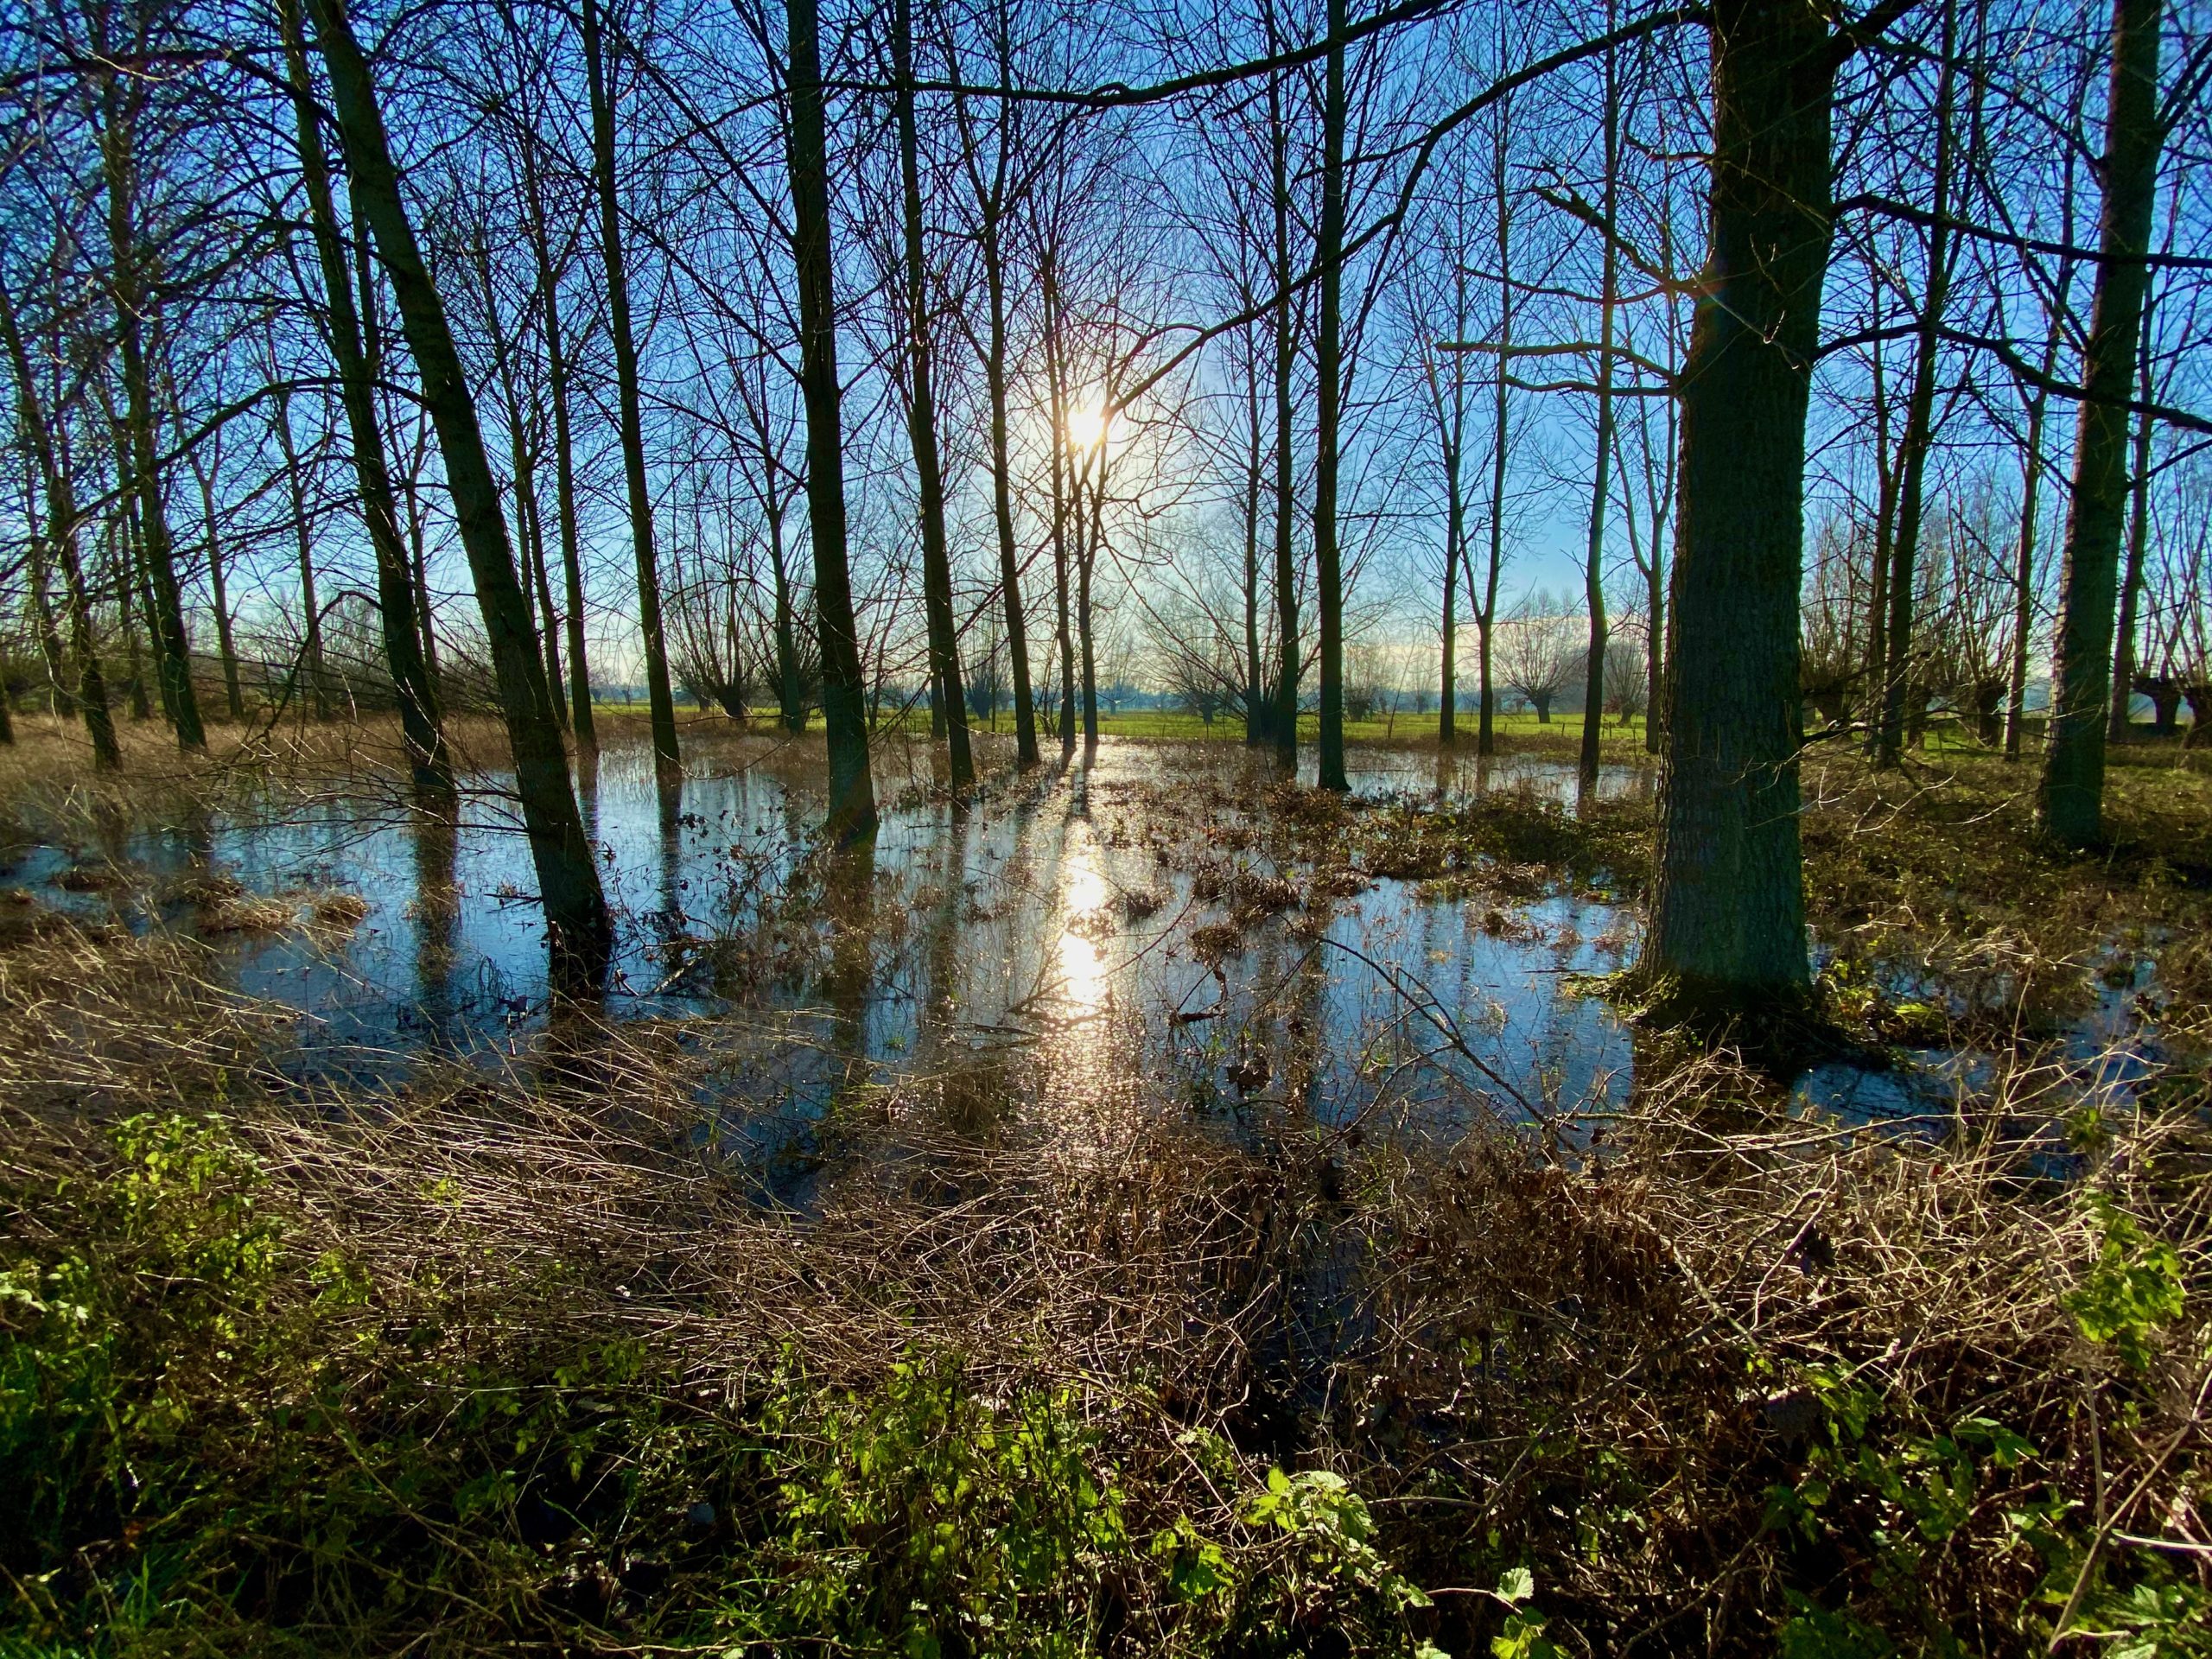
(2024, 564)
(564, 466)
(119, 166)
(311, 664)
(2071, 797)
(1593, 565)
(1486, 613)
(921, 417)
(1328, 372)
(1897, 665)
(844, 711)
(2139, 538)
(1286, 344)
(61, 521)
(1063, 508)
(668, 760)
(1727, 914)
(218, 587)
(578, 931)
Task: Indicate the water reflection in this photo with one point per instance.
(1046, 931)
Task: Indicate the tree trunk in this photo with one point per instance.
(852, 791)
(1486, 614)
(1286, 344)
(1089, 533)
(59, 698)
(1919, 428)
(421, 722)
(417, 564)
(1328, 372)
(564, 466)
(579, 933)
(921, 418)
(62, 535)
(226, 644)
(1727, 912)
(1256, 697)
(173, 644)
(2072, 792)
(2139, 537)
(667, 758)
(311, 664)
(995, 379)
(1593, 566)
(790, 702)
(1063, 507)
(122, 551)
(1452, 430)
(2024, 565)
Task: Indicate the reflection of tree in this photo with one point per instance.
(436, 914)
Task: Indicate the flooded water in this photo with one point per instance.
(1106, 928)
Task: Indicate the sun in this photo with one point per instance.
(1087, 427)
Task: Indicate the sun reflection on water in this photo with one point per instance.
(1086, 981)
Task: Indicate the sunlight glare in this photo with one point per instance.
(1083, 969)
(1087, 427)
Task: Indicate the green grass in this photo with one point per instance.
(1175, 726)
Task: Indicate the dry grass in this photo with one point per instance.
(1723, 1375)
(1598, 1350)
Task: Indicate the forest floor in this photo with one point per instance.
(507, 1355)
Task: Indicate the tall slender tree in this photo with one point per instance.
(1329, 375)
(845, 702)
(921, 414)
(598, 77)
(2071, 798)
(579, 930)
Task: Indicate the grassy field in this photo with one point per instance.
(1167, 725)
(1623, 739)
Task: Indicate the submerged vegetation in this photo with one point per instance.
(515, 1350)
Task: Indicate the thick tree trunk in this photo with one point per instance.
(667, 758)
(1727, 912)
(921, 418)
(844, 711)
(1328, 372)
(2072, 792)
(578, 931)
(420, 720)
